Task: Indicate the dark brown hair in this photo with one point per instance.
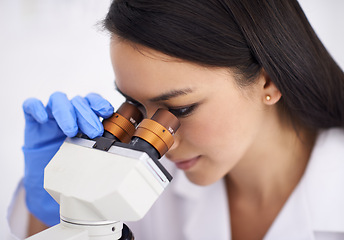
(247, 36)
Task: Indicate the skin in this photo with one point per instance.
(35, 225)
(226, 118)
(234, 133)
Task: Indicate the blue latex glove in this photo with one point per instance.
(45, 130)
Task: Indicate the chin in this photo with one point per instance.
(200, 179)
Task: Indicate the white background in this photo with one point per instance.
(55, 45)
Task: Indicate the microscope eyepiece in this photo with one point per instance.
(122, 124)
(158, 131)
(167, 120)
(153, 136)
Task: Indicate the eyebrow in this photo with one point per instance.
(171, 94)
(163, 97)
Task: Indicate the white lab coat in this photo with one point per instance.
(314, 211)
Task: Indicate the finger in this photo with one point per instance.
(60, 108)
(88, 121)
(34, 110)
(100, 105)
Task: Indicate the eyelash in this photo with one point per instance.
(183, 111)
(137, 104)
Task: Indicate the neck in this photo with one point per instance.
(273, 166)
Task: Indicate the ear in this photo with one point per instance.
(270, 93)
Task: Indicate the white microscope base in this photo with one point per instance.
(68, 231)
(59, 232)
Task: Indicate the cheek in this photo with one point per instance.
(223, 133)
(205, 132)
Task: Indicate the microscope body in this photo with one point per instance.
(101, 183)
(97, 190)
(95, 185)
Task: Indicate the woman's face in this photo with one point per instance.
(219, 121)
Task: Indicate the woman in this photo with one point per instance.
(260, 104)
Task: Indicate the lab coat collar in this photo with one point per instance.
(324, 182)
(293, 221)
(317, 203)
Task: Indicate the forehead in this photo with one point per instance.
(139, 69)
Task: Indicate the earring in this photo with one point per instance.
(267, 97)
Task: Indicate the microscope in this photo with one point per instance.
(101, 183)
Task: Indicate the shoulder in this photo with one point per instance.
(330, 143)
(324, 181)
(326, 164)
(328, 152)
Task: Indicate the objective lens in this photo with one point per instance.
(121, 125)
(158, 131)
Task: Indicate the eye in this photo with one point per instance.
(135, 103)
(183, 111)
(138, 105)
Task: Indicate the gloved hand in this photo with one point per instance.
(45, 130)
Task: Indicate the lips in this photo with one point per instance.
(186, 164)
